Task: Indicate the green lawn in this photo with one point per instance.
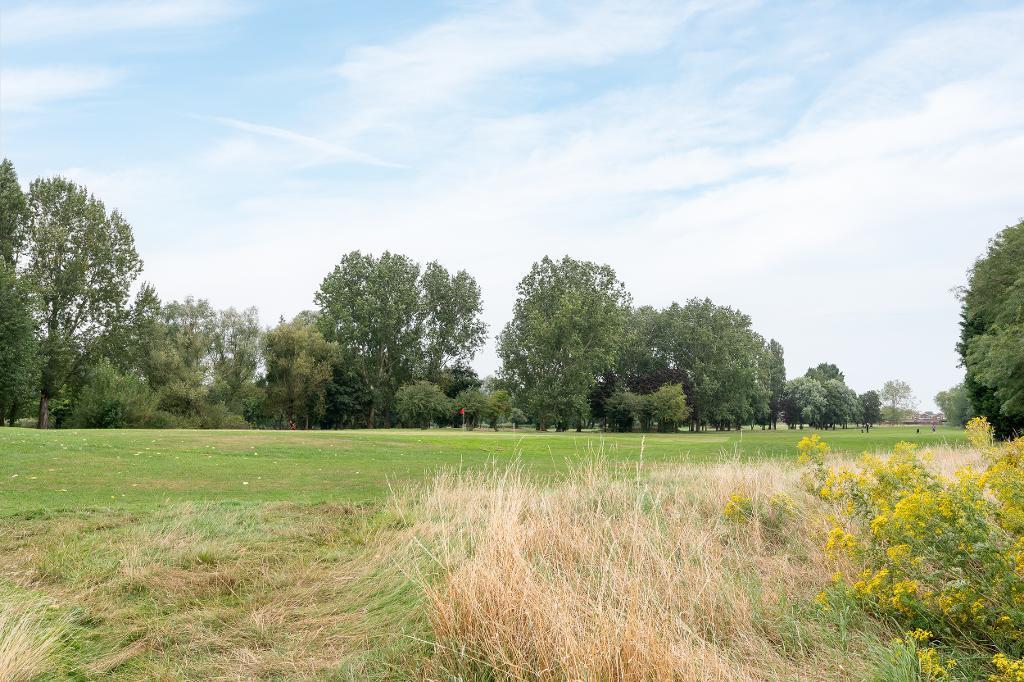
(71, 469)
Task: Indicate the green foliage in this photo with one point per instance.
(421, 403)
(870, 408)
(451, 310)
(772, 378)
(955, 404)
(942, 556)
(718, 351)
(667, 407)
(475, 404)
(825, 372)
(992, 332)
(622, 410)
(499, 408)
(299, 368)
(13, 215)
(393, 324)
(81, 263)
(565, 330)
(17, 346)
(110, 399)
(897, 399)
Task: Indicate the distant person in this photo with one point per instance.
(919, 429)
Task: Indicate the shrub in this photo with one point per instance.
(939, 555)
(421, 403)
(112, 399)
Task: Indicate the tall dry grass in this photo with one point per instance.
(631, 576)
(28, 640)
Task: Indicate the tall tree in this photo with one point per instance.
(81, 264)
(992, 332)
(299, 365)
(17, 345)
(773, 379)
(870, 408)
(451, 309)
(236, 355)
(372, 308)
(898, 398)
(13, 215)
(716, 348)
(955, 404)
(565, 330)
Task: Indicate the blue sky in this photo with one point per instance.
(830, 168)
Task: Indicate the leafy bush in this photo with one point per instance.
(421, 403)
(110, 399)
(942, 556)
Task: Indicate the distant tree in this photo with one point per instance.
(499, 407)
(81, 262)
(474, 402)
(825, 371)
(299, 362)
(111, 399)
(346, 398)
(870, 408)
(565, 330)
(718, 352)
(623, 409)
(17, 346)
(237, 337)
(955, 404)
(456, 378)
(667, 407)
(13, 216)
(992, 332)
(773, 380)
(898, 399)
(806, 402)
(421, 403)
(451, 309)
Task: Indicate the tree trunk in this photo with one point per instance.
(44, 411)
(369, 416)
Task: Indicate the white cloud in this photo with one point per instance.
(315, 151)
(41, 21)
(28, 89)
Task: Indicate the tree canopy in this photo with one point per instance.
(992, 332)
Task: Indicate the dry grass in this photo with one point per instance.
(632, 577)
(28, 639)
(616, 572)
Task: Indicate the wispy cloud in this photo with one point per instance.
(40, 21)
(446, 59)
(323, 151)
(28, 89)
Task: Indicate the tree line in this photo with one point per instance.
(389, 342)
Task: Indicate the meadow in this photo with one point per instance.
(379, 554)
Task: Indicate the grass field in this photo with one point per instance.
(136, 468)
(288, 555)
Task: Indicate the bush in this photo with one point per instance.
(942, 556)
(421, 403)
(110, 399)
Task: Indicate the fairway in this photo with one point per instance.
(70, 469)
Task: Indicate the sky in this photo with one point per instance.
(832, 169)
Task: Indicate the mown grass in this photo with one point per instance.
(144, 555)
(49, 470)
